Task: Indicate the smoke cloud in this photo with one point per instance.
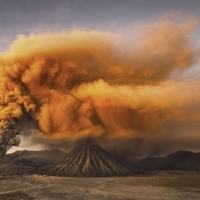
(92, 84)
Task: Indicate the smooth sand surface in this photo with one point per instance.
(164, 186)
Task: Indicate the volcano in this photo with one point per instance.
(87, 161)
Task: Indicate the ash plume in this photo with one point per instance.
(91, 84)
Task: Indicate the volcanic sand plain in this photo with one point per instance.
(164, 186)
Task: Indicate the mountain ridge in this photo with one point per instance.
(180, 160)
(27, 162)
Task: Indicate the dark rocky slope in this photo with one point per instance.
(181, 160)
(88, 161)
(27, 162)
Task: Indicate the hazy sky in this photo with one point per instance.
(37, 16)
(32, 16)
(156, 48)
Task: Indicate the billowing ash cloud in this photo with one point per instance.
(81, 84)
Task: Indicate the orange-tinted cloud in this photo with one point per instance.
(82, 84)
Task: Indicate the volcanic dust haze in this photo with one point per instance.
(98, 87)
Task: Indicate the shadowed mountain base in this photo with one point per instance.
(28, 162)
(181, 160)
(15, 196)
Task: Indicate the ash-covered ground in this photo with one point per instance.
(162, 186)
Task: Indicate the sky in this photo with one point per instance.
(28, 16)
(120, 74)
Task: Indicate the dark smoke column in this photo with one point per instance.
(9, 131)
(16, 103)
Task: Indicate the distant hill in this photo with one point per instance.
(27, 162)
(87, 161)
(181, 160)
